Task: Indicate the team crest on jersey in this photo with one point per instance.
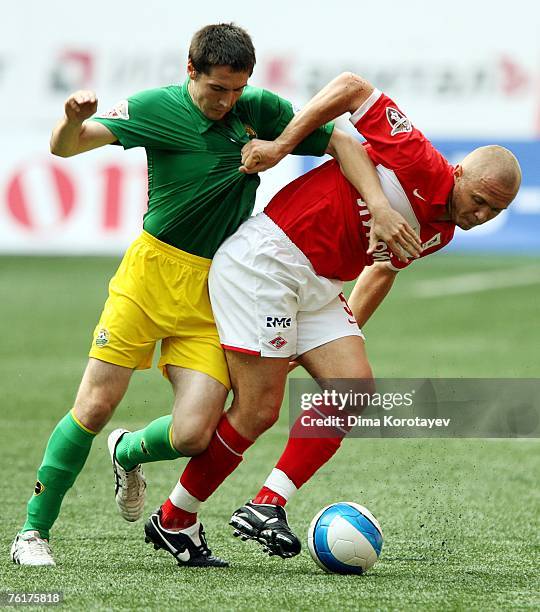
(102, 337)
(398, 122)
(39, 488)
(278, 342)
(118, 111)
(250, 131)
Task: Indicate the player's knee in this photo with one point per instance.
(191, 442)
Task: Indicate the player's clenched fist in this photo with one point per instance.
(80, 105)
(259, 155)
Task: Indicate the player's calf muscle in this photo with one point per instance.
(198, 406)
(93, 416)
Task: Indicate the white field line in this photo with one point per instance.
(474, 283)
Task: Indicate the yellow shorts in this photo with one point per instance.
(160, 293)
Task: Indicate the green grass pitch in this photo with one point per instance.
(460, 517)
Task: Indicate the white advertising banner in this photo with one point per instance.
(92, 203)
(468, 71)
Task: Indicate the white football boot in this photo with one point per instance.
(130, 487)
(29, 548)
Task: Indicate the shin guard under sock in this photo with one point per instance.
(64, 458)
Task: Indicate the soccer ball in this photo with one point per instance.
(345, 538)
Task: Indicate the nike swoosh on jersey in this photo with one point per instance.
(415, 193)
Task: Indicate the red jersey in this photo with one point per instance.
(324, 215)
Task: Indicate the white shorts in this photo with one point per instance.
(268, 300)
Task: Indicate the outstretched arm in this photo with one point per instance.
(346, 93)
(372, 286)
(73, 134)
(386, 224)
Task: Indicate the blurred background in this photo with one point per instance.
(466, 74)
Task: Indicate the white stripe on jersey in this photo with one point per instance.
(397, 197)
(399, 202)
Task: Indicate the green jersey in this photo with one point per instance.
(196, 195)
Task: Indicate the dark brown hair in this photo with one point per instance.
(222, 44)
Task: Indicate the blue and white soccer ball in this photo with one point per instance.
(345, 538)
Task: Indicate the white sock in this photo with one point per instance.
(279, 482)
(183, 499)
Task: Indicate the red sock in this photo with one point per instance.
(302, 457)
(267, 496)
(205, 472)
(176, 518)
(305, 454)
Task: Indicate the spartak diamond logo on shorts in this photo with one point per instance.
(278, 342)
(398, 122)
(102, 337)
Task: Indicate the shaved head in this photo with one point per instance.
(494, 163)
(485, 183)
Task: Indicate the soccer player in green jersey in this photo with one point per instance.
(193, 135)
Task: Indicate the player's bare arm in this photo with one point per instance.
(371, 287)
(73, 134)
(346, 93)
(387, 224)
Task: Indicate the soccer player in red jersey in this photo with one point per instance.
(276, 284)
(193, 134)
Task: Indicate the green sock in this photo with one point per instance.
(65, 455)
(153, 443)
